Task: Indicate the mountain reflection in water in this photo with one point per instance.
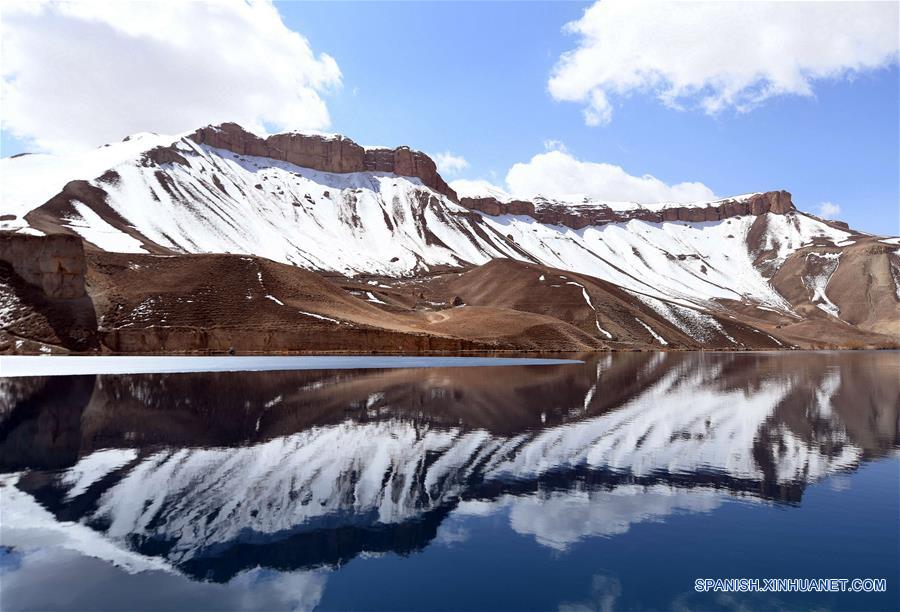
(214, 475)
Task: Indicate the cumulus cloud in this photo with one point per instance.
(559, 174)
(828, 210)
(448, 163)
(466, 188)
(719, 55)
(84, 73)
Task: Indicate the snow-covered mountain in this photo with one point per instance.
(326, 204)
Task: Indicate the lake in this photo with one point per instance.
(615, 482)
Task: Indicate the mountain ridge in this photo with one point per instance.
(681, 275)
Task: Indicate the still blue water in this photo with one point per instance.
(609, 484)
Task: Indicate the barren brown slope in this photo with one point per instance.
(508, 327)
(863, 287)
(217, 303)
(213, 303)
(191, 303)
(844, 295)
(596, 307)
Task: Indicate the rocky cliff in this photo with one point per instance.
(582, 215)
(44, 305)
(325, 153)
(53, 263)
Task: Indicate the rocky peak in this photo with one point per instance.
(325, 153)
(583, 215)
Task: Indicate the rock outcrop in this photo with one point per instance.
(494, 207)
(577, 217)
(325, 153)
(54, 263)
(44, 305)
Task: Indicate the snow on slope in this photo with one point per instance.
(826, 263)
(787, 233)
(895, 275)
(687, 262)
(698, 325)
(351, 223)
(380, 223)
(27, 181)
(91, 226)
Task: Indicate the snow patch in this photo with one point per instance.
(698, 325)
(603, 331)
(587, 299)
(788, 233)
(9, 304)
(818, 282)
(895, 275)
(659, 338)
(371, 298)
(318, 316)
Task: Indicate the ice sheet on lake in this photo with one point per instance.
(67, 366)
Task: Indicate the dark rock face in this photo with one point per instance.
(163, 155)
(777, 202)
(326, 154)
(42, 279)
(494, 207)
(53, 263)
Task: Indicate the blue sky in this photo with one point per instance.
(486, 99)
(472, 79)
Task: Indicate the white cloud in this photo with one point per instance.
(84, 73)
(827, 210)
(552, 144)
(558, 174)
(719, 55)
(448, 163)
(466, 188)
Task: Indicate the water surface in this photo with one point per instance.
(608, 484)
